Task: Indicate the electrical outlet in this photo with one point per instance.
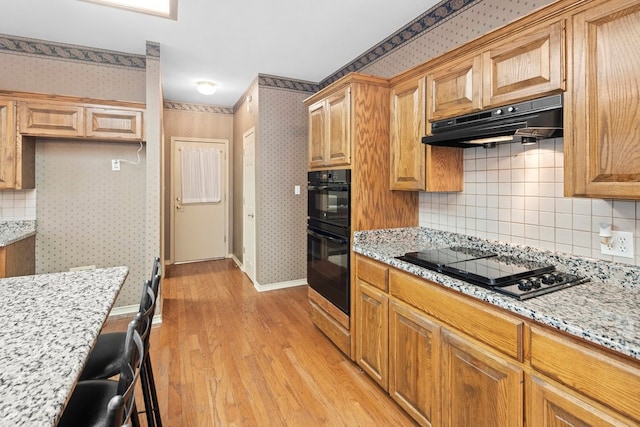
(620, 244)
(115, 165)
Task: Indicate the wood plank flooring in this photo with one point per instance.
(227, 355)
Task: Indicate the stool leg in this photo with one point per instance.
(144, 384)
(135, 421)
(152, 390)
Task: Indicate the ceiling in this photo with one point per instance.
(226, 41)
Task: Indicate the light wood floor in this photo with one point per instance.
(227, 355)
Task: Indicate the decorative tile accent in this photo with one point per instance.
(20, 45)
(196, 108)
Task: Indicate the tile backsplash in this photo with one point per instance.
(514, 193)
(16, 205)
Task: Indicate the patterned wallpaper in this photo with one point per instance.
(72, 206)
(281, 163)
(88, 214)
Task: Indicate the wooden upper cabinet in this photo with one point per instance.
(67, 119)
(454, 88)
(56, 120)
(407, 130)
(111, 123)
(414, 165)
(524, 67)
(602, 158)
(330, 130)
(7, 144)
(317, 133)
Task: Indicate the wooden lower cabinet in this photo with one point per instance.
(372, 326)
(18, 258)
(414, 363)
(479, 388)
(450, 360)
(551, 406)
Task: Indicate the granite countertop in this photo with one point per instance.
(605, 311)
(48, 325)
(13, 231)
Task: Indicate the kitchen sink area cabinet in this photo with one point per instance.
(330, 130)
(414, 165)
(479, 387)
(414, 356)
(601, 144)
(18, 258)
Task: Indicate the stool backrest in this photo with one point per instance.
(121, 406)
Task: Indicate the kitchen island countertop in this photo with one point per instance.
(13, 231)
(605, 311)
(48, 325)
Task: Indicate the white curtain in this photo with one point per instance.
(200, 175)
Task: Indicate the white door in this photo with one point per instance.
(200, 187)
(249, 204)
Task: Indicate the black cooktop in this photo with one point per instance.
(517, 278)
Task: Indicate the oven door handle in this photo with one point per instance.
(328, 187)
(338, 240)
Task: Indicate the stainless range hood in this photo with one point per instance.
(525, 122)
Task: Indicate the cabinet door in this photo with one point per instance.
(552, 407)
(414, 358)
(110, 123)
(524, 67)
(601, 125)
(407, 130)
(338, 140)
(317, 135)
(7, 144)
(479, 388)
(51, 119)
(372, 338)
(455, 89)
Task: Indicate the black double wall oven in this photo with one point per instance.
(328, 235)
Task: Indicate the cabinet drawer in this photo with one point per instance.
(503, 333)
(374, 273)
(608, 380)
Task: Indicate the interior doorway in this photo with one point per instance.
(249, 204)
(199, 187)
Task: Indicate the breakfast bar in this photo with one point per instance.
(48, 325)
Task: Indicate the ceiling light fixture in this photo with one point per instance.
(163, 8)
(207, 88)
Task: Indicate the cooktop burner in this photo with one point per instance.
(514, 277)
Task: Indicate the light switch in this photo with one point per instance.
(296, 190)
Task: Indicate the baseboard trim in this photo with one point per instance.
(279, 285)
(237, 261)
(131, 310)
